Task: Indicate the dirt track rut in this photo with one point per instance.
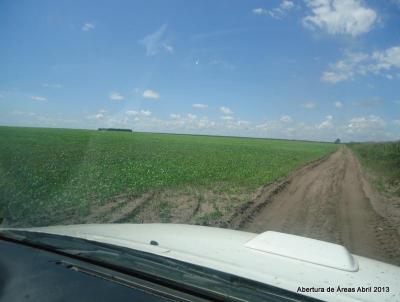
(327, 200)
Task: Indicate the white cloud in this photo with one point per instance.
(88, 26)
(350, 17)
(277, 12)
(259, 11)
(282, 129)
(368, 128)
(285, 4)
(99, 116)
(138, 113)
(386, 59)
(191, 123)
(338, 104)
(286, 119)
(177, 123)
(145, 112)
(47, 85)
(38, 98)
(225, 110)
(268, 126)
(174, 116)
(131, 112)
(200, 106)
(359, 64)
(308, 105)
(168, 48)
(238, 125)
(362, 128)
(227, 118)
(128, 119)
(365, 124)
(150, 94)
(115, 96)
(345, 69)
(333, 77)
(327, 123)
(243, 123)
(156, 42)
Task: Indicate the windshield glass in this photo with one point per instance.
(247, 115)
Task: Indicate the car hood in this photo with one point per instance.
(298, 264)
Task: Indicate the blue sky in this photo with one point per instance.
(312, 69)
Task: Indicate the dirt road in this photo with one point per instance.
(328, 200)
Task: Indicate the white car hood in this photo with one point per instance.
(285, 261)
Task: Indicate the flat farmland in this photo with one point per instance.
(57, 176)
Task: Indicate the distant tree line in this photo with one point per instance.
(115, 129)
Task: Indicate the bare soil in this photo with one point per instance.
(331, 200)
(180, 205)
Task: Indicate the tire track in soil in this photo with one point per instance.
(324, 200)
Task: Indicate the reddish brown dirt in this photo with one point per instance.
(328, 200)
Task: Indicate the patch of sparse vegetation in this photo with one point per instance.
(210, 218)
(165, 211)
(382, 160)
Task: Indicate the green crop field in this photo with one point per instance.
(383, 161)
(46, 172)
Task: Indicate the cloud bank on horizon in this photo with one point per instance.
(311, 69)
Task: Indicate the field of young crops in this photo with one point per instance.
(44, 171)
